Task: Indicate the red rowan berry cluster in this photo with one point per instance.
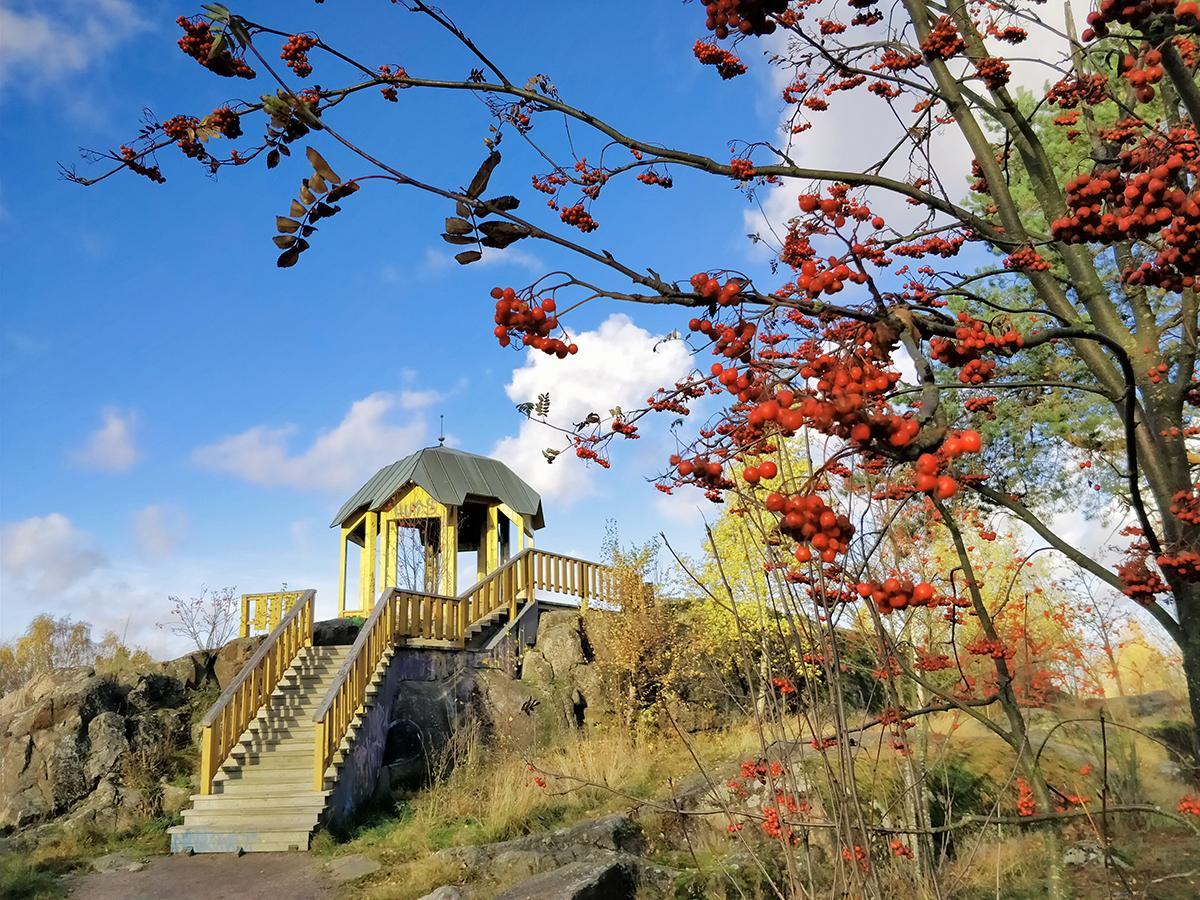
(896, 593)
(807, 520)
(994, 72)
(971, 340)
(549, 184)
(929, 479)
(1068, 93)
(1142, 75)
(295, 54)
(996, 649)
(518, 116)
(390, 74)
(764, 471)
(1157, 373)
(900, 849)
(706, 472)
(981, 405)
(587, 454)
(1141, 582)
(197, 43)
(182, 130)
(1010, 34)
(1183, 564)
(773, 827)
(1124, 12)
(1189, 805)
(892, 60)
(712, 290)
(533, 322)
(1026, 803)
(977, 371)
(783, 685)
(1107, 207)
(741, 169)
(728, 65)
(652, 177)
(943, 40)
(1026, 258)
(742, 16)
(226, 121)
(856, 854)
(578, 217)
(1185, 506)
(932, 662)
(623, 428)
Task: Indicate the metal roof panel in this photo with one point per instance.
(450, 476)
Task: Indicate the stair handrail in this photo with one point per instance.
(397, 613)
(431, 616)
(226, 719)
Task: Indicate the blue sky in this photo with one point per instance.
(174, 410)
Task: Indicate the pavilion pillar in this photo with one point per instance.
(369, 561)
(489, 542)
(448, 545)
(342, 572)
(391, 541)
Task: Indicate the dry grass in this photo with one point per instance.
(489, 795)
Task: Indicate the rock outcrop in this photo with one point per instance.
(107, 750)
(70, 738)
(601, 858)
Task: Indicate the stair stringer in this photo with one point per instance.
(432, 674)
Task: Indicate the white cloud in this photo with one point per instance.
(158, 530)
(617, 365)
(44, 555)
(49, 42)
(111, 447)
(368, 437)
(859, 128)
(437, 260)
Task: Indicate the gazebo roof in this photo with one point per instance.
(450, 477)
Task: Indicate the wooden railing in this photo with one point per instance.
(588, 581)
(262, 612)
(414, 615)
(224, 723)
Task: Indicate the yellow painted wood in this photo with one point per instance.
(391, 541)
(262, 612)
(225, 721)
(449, 550)
(370, 560)
(342, 572)
(493, 539)
(414, 502)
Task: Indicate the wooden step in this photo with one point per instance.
(281, 800)
(244, 789)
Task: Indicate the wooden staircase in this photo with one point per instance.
(273, 744)
(262, 797)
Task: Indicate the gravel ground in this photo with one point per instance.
(255, 876)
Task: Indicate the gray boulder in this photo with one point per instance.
(598, 879)
(107, 744)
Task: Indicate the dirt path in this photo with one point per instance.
(255, 876)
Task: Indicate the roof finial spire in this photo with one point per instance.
(442, 428)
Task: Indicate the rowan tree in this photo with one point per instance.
(1065, 360)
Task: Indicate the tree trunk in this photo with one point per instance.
(1190, 647)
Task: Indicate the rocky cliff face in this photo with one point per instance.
(89, 749)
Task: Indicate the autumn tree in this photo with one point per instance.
(50, 643)
(1068, 273)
